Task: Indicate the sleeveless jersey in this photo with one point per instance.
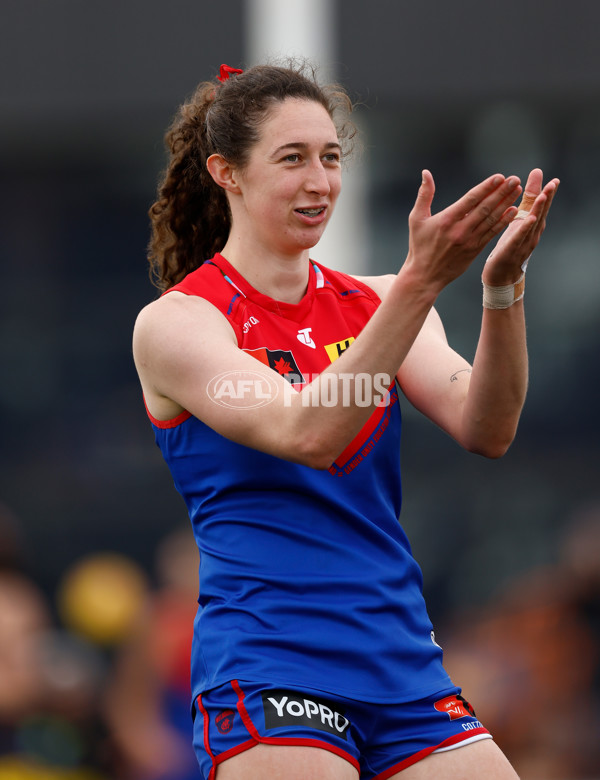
(306, 576)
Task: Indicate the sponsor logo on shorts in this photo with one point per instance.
(455, 707)
(472, 725)
(224, 721)
(290, 708)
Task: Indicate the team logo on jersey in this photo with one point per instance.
(280, 360)
(224, 721)
(455, 707)
(335, 350)
(290, 708)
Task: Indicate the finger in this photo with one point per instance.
(551, 188)
(535, 180)
(542, 205)
(532, 190)
(494, 213)
(504, 220)
(543, 201)
(534, 222)
(475, 196)
(422, 207)
(526, 204)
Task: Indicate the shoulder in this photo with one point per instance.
(171, 305)
(174, 337)
(381, 284)
(173, 319)
(378, 284)
(374, 287)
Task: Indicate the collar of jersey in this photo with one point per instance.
(294, 311)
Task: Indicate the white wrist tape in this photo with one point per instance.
(505, 296)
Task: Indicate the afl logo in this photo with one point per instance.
(224, 721)
(242, 389)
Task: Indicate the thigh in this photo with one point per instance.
(285, 762)
(478, 759)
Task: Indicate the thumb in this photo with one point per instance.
(422, 207)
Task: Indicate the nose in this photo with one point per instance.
(317, 179)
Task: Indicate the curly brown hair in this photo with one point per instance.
(191, 218)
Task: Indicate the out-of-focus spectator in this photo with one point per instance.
(100, 596)
(24, 619)
(530, 661)
(11, 545)
(50, 727)
(148, 704)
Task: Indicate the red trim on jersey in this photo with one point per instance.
(363, 442)
(202, 709)
(298, 741)
(172, 423)
(455, 740)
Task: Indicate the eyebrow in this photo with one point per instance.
(302, 145)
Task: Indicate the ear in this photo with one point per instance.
(223, 173)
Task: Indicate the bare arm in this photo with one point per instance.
(481, 406)
(181, 343)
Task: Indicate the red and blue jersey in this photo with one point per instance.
(306, 576)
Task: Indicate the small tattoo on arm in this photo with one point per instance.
(454, 376)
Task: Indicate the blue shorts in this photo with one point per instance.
(378, 739)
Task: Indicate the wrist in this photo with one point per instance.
(410, 278)
(503, 296)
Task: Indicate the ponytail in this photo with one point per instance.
(190, 218)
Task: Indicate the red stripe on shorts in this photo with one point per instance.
(454, 740)
(206, 741)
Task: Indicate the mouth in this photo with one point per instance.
(313, 212)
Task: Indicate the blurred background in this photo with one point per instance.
(97, 565)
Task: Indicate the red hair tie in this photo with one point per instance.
(226, 72)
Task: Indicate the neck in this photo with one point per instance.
(283, 278)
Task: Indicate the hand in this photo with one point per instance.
(504, 265)
(442, 246)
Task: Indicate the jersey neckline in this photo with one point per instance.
(289, 310)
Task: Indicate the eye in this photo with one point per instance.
(292, 158)
(332, 157)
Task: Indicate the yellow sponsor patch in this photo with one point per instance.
(335, 350)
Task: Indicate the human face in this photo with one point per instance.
(292, 180)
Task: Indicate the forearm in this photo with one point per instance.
(373, 359)
(498, 384)
(440, 249)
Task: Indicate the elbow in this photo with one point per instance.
(317, 459)
(489, 438)
(320, 463)
(314, 453)
(491, 453)
(493, 449)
